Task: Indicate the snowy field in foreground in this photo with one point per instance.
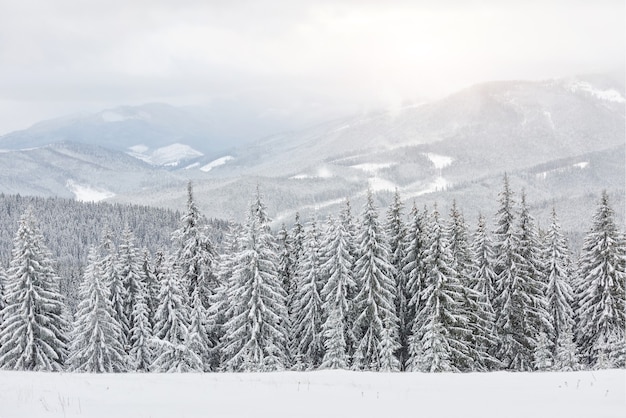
(598, 394)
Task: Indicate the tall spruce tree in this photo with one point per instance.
(96, 338)
(532, 282)
(482, 281)
(130, 274)
(439, 339)
(197, 259)
(559, 294)
(396, 233)
(255, 335)
(600, 288)
(416, 244)
(376, 324)
(512, 304)
(308, 351)
(175, 348)
(109, 267)
(34, 328)
(340, 284)
(475, 306)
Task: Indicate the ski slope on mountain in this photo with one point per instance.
(314, 394)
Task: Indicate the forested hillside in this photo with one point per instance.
(411, 290)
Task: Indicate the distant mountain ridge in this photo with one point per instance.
(561, 140)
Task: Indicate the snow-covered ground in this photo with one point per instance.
(85, 193)
(170, 155)
(216, 163)
(598, 394)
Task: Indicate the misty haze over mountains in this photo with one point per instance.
(561, 140)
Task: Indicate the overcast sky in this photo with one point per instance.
(60, 57)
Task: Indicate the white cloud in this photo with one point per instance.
(329, 54)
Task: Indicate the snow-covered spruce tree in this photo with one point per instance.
(308, 350)
(512, 304)
(543, 353)
(337, 267)
(532, 280)
(396, 232)
(152, 286)
(96, 338)
(130, 274)
(3, 280)
(34, 328)
(255, 334)
(482, 280)
(197, 259)
(374, 303)
(175, 351)
(600, 288)
(566, 352)
(285, 259)
(141, 347)
(416, 243)
(109, 268)
(440, 328)
(296, 249)
(221, 309)
(475, 307)
(559, 294)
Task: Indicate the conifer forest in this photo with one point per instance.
(402, 288)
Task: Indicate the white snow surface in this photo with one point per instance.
(85, 193)
(170, 155)
(377, 184)
(544, 174)
(439, 161)
(609, 95)
(372, 168)
(321, 173)
(216, 163)
(314, 394)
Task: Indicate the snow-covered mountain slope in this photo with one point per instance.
(83, 172)
(330, 394)
(561, 140)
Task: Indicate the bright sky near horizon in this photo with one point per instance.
(67, 56)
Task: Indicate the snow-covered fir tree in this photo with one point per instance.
(475, 307)
(3, 280)
(559, 294)
(130, 274)
(141, 353)
(174, 352)
(152, 285)
(396, 232)
(532, 282)
(416, 243)
(255, 335)
(482, 280)
(600, 289)
(512, 304)
(96, 338)
(543, 353)
(374, 303)
(308, 350)
(34, 328)
(109, 268)
(197, 261)
(221, 309)
(566, 351)
(337, 267)
(199, 340)
(439, 336)
(285, 258)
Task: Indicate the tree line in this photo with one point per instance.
(415, 291)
